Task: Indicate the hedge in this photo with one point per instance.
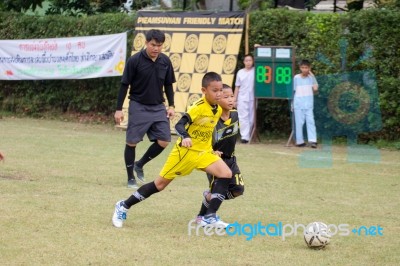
(316, 36)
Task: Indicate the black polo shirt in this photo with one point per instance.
(147, 77)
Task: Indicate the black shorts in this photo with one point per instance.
(147, 119)
(236, 179)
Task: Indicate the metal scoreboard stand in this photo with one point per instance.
(274, 68)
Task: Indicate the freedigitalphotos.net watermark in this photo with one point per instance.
(279, 229)
(348, 105)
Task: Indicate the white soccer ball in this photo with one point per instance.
(317, 235)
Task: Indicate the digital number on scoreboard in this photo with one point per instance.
(274, 68)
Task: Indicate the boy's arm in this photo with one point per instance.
(181, 131)
(315, 88)
(315, 83)
(218, 153)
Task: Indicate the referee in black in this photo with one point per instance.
(147, 73)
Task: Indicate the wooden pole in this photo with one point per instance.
(254, 133)
(246, 40)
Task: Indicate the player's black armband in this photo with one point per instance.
(121, 96)
(180, 127)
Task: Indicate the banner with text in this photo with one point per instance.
(63, 58)
(196, 43)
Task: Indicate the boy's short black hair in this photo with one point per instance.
(210, 77)
(226, 86)
(305, 62)
(156, 35)
(246, 55)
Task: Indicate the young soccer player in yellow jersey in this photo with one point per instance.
(193, 150)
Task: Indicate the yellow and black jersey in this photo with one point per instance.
(203, 118)
(225, 134)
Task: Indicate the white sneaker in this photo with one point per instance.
(213, 222)
(198, 219)
(119, 214)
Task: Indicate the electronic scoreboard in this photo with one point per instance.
(274, 71)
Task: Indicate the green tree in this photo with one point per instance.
(63, 7)
(255, 4)
(20, 5)
(80, 7)
(70, 8)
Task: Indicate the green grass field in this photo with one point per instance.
(60, 181)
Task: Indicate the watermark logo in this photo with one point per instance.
(279, 229)
(347, 105)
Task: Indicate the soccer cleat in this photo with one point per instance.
(132, 184)
(139, 172)
(301, 145)
(200, 217)
(213, 221)
(119, 214)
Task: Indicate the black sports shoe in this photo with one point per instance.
(139, 172)
(132, 183)
(301, 145)
(244, 141)
(313, 145)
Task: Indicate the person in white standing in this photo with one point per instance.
(244, 97)
(304, 86)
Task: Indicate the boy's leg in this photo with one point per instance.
(146, 191)
(206, 198)
(299, 123)
(178, 161)
(235, 188)
(141, 194)
(310, 122)
(219, 190)
(233, 192)
(204, 206)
